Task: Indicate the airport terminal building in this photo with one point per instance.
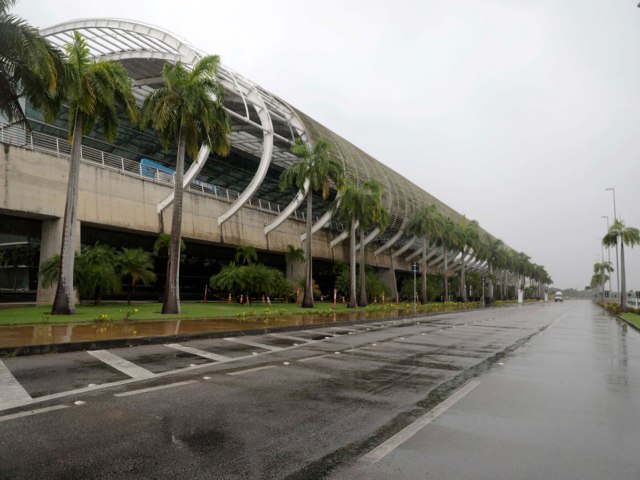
(126, 185)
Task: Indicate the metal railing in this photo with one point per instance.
(17, 135)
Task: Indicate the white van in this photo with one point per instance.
(558, 296)
(633, 302)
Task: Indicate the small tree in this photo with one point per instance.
(137, 265)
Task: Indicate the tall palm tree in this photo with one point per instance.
(92, 90)
(29, 65)
(138, 266)
(629, 236)
(445, 235)
(424, 224)
(361, 204)
(493, 252)
(466, 237)
(318, 166)
(188, 110)
(601, 272)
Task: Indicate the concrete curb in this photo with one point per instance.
(619, 318)
(23, 350)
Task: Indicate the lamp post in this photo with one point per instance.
(615, 217)
(608, 254)
(414, 267)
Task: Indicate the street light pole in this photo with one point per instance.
(608, 255)
(414, 267)
(615, 217)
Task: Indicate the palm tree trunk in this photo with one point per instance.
(445, 276)
(307, 300)
(362, 301)
(64, 301)
(623, 280)
(172, 291)
(490, 283)
(463, 287)
(352, 265)
(424, 270)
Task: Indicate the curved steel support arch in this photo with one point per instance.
(265, 160)
(188, 53)
(189, 176)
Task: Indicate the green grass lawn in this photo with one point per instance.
(151, 311)
(632, 318)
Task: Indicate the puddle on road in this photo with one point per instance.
(25, 335)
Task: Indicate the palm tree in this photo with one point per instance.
(466, 238)
(138, 266)
(246, 255)
(187, 109)
(29, 65)
(424, 224)
(601, 272)
(445, 236)
(92, 90)
(493, 252)
(361, 204)
(318, 167)
(97, 272)
(629, 236)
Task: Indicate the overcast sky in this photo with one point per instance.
(516, 113)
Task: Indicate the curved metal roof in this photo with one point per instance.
(263, 124)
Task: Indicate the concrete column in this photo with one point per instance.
(295, 271)
(388, 277)
(50, 245)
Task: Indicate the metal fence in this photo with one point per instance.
(17, 135)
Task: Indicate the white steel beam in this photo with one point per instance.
(404, 248)
(389, 243)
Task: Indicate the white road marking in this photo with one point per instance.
(314, 358)
(119, 363)
(11, 392)
(409, 431)
(326, 334)
(291, 337)
(32, 412)
(153, 389)
(249, 370)
(198, 352)
(253, 344)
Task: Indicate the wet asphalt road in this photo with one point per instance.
(557, 398)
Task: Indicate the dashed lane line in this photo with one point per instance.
(291, 337)
(119, 363)
(198, 352)
(250, 370)
(11, 391)
(314, 358)
(409, 431)
(153, 389)
(253, 344)
(28, 413)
